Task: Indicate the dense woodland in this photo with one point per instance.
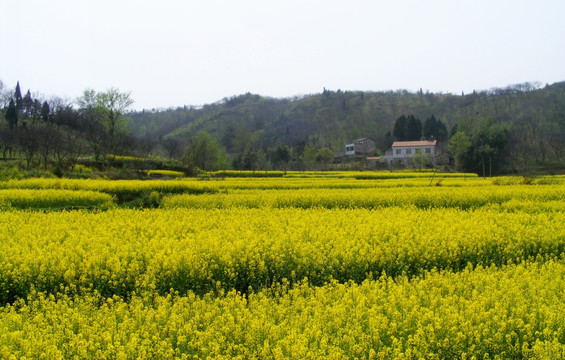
(517, 129)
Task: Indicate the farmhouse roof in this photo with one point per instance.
(414, 143)
(361, 140)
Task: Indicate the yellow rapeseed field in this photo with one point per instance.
(347, 265)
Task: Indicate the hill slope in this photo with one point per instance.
(534, 116)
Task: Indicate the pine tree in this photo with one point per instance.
(430, 126)
(435, 129)
(18, 97)
(27, 105)
(413, 130)
(399, 131)
(45, 111)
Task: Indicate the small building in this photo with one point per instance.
(402, 152)
(361, 147)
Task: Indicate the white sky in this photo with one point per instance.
(174, 53)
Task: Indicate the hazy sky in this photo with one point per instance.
(173, 53)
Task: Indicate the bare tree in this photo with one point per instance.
(48, 138)
(172, 147)
(146, 146)
(5, 95)
(28, 142)
(7, 141)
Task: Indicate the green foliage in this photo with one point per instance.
(399, 131)
(12, 114)
(407, 128)
(58, 172)
(421, 160)
(205, 153)
(111, 106)
(106, 124)
(523, 131)
(325, 156)
(459, 147)
(413, 129)
(146, 200)
(280, 155)
(533, 117)
(434, 128)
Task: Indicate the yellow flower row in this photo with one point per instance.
(513, 312)
(54, 199)
(381, 175)
(304, 193)
(505, 197)
(122, 251)
(123, 190)
(127, 190)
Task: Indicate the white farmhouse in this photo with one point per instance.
(402, 152)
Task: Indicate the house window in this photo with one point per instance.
(428, 151)
(408, 151)
(398, 152)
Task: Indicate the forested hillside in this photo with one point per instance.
(517, 129)
(531, 119)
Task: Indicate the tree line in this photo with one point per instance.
(58, 132)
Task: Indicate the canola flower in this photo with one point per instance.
(284, 268)
(381, 175)
(121, 189)
(373, 198)
(122, 251)
(128, 188)
(513, 312)
(131, 188)
(54, 199)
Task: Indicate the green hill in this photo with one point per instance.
(534, 117)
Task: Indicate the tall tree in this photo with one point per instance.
(413, 129)
(399, 131)
(18, 97)
(280, 155)
(434, 129)
(112, 105)
(205, 153)
(488, 142)
(45, 111)
(324, 157)
(172, 147)
(104, 114)
(309, 156)
(27, 105)
(4, 96)
(459, 147)
(407, 128)
(12, 115)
